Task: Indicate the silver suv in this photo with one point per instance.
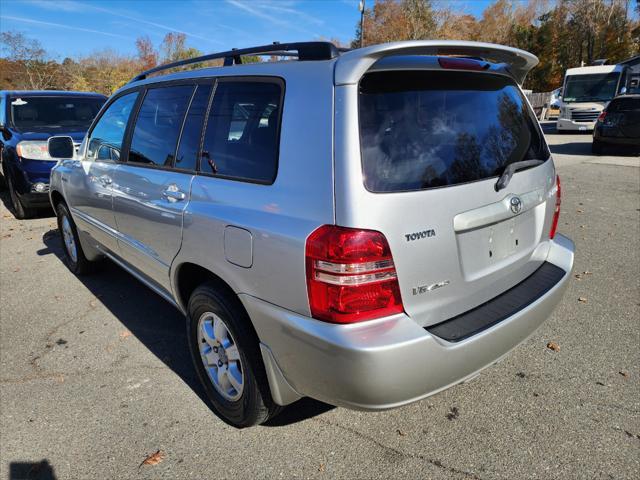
(364, 227)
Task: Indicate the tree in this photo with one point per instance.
(391, 20)
(147, 54)
(28, 64)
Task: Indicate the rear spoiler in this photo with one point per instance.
(353, 64)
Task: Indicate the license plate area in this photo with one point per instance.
(483, 250)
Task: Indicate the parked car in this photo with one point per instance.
(27, 120)
(364, 227)
(618, 125)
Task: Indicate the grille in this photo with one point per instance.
(584, 116)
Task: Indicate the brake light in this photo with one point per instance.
(351, 276)
(556, 213)
(462, 63)
(602, 116)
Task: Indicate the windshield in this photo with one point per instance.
(596, 87)
(53, 112)
(426, 129)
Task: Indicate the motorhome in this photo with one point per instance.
(586, 92)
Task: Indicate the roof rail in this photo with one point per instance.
(304, 51)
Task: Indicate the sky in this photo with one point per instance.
(78, 27)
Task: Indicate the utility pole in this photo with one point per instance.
(361, 8)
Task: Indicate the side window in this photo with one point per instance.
(241, 138)
(105, 140)
(158, 125)
(187, 156)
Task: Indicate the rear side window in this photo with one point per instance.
(105, 140)
(158, 125)
(242, 134)
(426, 129)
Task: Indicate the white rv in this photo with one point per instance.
(585, 93)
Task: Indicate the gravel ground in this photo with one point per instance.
(95, 375)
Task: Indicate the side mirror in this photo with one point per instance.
(61, 147)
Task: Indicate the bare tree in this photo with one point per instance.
(30, 67)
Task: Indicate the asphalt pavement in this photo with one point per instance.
(95, 374)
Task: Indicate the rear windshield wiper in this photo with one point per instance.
(512, 168)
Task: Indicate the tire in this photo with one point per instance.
(597, 148)
(248, 402)
(77, 263)
(19, 210)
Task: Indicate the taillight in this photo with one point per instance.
(556, 213)
(350, 275)
(462, 63)
(602, 116)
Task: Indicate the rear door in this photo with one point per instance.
(152, 188)
(432, 145)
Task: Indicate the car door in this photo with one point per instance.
(151, 189)
(87, 183)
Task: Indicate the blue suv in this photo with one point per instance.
(27, 120)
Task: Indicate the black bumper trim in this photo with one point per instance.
(501, 307)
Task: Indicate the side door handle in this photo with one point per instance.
(173, 194)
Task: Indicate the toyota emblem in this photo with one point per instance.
(516, 205)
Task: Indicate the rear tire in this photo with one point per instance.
(226, 354)
(74, 257)
(20, 211)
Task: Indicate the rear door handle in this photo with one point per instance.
(172, 194)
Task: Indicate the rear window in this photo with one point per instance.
(427, 129)
(624, 104)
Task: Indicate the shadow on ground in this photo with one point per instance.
(159, 326)
(42, 470)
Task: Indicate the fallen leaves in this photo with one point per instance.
(553, 346)
(153, 459)
(125, 334)
(321, 467)
(624, 374)
(579, 276)
(401, 433)
(582, 299)
(453, 413)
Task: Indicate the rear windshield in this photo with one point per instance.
(624, 104)
(36, 112)
(426, 129)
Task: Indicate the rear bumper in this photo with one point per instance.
(389, 362)
(614, 140)
(571, 125)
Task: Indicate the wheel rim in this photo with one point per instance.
(220, 356)
(69, 240)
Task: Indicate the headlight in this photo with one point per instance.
(33, 150)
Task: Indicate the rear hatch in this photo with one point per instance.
(433, 144)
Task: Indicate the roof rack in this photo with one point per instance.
(301, 50)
